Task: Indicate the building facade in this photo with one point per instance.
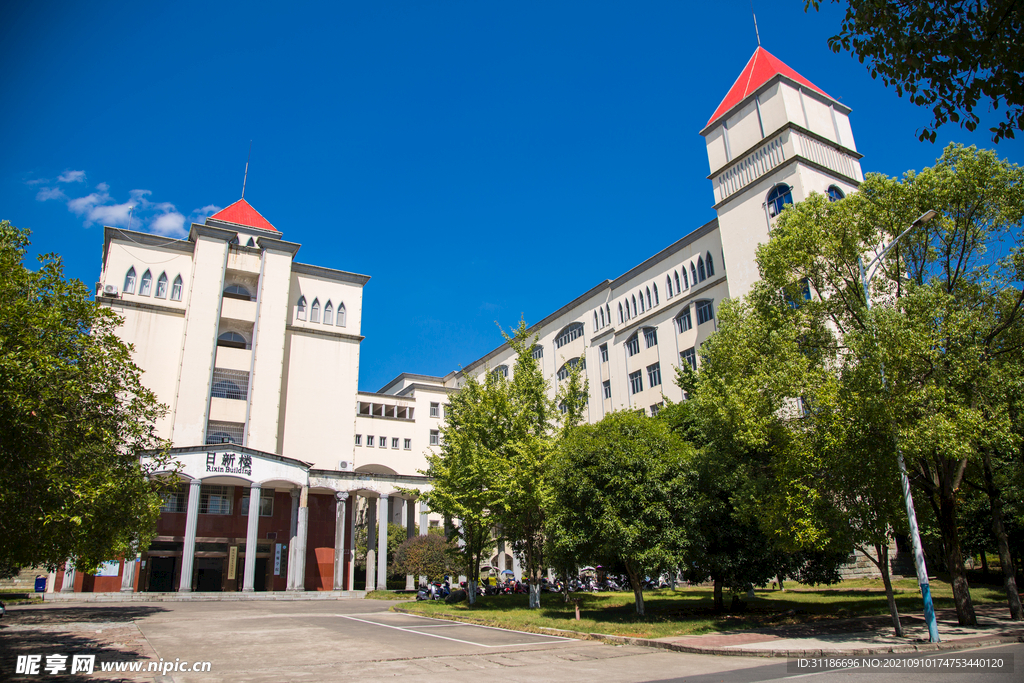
(257, 355)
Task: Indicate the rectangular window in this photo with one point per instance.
(408, 444)
(604, 353)
(369, 440)
(650, 336)
(435, 437)
(633, 346)
(654, 375)
(655, 409)
(705, 311)
(689, 357)
(175, 499)
(224, 432)
(359, 439)
(233, 384)
(266, 504)
(435, 410)
(636, 382)
(683, 321)
(214, 500)
(394, 442)
(383, 443)
(607, 387)
(538, 352)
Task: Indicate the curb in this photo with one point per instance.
(960, 644)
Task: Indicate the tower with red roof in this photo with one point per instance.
(774, 139)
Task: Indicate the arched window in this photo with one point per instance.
(693, 275)
(641, 293)
(129, 281)
(676, 273)
(648, 297)
(232, 340)
(686, 280)
(251, 243)
(341, 314)
(227, 389)
(700, 269)
(668, 286)
(234, 240)
(711, 265)
(608, 313)
(656, 302)
(634, 306)
(602, 316)
(500, 372)
(314, 311)
(235, 291)
(621, 319)
(596, 326)
(568, 333)
(780, 195)
(301, 311)
(834, 193)
(563, 372)
(146, 284)
(328, 314)
(176, 289)
(161, 286)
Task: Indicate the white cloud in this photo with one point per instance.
(170, 224)
(47, 193)
(37, 181)
(71, 177)
(200, 215)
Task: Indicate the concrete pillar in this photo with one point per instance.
(382, 545)
(128, 576)
(341, 499)
(410, 531)
(69, 578)
(350, 534)
(371, 542)
(51, 579)
(424, 527)
(251, 532)
(297, 569)
(188, 553)
(516, 567)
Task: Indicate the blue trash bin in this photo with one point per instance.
(40, 584)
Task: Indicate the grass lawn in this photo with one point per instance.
(688, 611)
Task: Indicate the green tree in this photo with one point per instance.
(75, 418)
(616, 490)
(951, 55)
(430, 555)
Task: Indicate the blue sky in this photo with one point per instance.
(481, 161)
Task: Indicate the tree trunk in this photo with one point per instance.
(882, 550)
(719, 602)
(1009, 572)
(638, 589)
(984, 560)
(535, 594)
(954, 557)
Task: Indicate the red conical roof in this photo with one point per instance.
(762, 67)
(242, 213)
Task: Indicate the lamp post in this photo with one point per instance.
(922, 573)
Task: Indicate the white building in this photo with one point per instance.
(257, 354)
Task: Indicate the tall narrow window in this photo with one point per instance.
(636, 382)
(686, 280)
(654, 375)
(705, 311)
(314, 311)
(329, 314)
(161, 286)
(668, 285)
(608, 313)
(634, 306)
(176, 289)
(621, 319)
(129, 281)
(633, 345)
(648, 297)
(300, 312)
(604, 352)
(146, 284)
(711, 265)
(651, 336)
(602, 316)
(693, 275)
(341, 314)
(596, 326)
(689, 357)
(701, 274)
(606, 386)
(683, 321)
(642, 309)
(656, 302)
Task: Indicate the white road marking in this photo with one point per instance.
(457, 640)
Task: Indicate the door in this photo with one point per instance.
(260, 580)
(161, 574)
(209, 573)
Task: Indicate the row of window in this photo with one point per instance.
(215, 500)
(636, 380)
(782, 194)
(571, 332)
(382, 442)
(563, 372)
(314, 312)
(647, 297)
(146, 285)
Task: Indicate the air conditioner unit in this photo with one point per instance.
(109, 290)
(346, 466)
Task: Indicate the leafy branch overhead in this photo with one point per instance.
(954, 56)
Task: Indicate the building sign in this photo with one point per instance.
(111, 568)
(277, 559)
(232, 562)
(229, 463)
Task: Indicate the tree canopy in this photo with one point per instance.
(74, 419)
(953, 56)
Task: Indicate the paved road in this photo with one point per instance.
(349, 639)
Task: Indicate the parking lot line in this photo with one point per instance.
(551, 639)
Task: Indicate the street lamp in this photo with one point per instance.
(922, 573)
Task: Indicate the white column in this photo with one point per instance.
(424, 522)
(350, 532)
(410, 531)
(68, 586)
(50, 581)
(297, 570)
(189, 551)
(128, 576)
(341, 499)
(382, 544)
(371, 542)
(251, 532)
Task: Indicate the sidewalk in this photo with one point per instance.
(858, 636)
